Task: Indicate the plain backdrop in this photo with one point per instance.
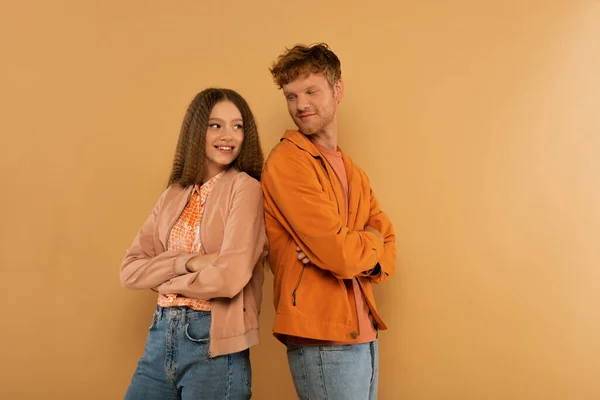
(476, 121)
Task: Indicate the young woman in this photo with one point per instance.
(202, 250)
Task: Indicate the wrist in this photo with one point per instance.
(187, 266)
(182, 263)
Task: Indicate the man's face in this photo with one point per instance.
(312, 102)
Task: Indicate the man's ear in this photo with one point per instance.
(338, 90)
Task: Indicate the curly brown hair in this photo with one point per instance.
(189, 163)
(301, 60)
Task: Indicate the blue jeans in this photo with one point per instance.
(175, 365)
(345, 372)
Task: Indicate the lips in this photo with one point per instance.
(304, 116)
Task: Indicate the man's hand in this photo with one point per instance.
(197, 263)
(301, 256)
(375, 231)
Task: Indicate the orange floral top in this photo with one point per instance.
(185, 236)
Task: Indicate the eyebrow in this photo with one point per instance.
(222, 120)
(311, 87)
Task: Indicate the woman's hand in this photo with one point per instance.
(198, 263)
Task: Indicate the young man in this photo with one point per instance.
(329, 239)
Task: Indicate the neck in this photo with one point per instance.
(327, 137)
(210, 173)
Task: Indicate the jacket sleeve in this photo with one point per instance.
(386, 267)
(244, 243)
(142, 268)
(298, 202)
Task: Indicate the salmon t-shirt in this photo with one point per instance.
(367, 330)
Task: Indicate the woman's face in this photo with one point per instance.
(224, 137)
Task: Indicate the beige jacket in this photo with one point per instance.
(233, 226)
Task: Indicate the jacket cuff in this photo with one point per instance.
(375, 271)
(180, 261)
(372, 272)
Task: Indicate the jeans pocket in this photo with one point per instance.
(247, 368)
(197, 330)
(293, 347)
(296, 362)
(154, 320)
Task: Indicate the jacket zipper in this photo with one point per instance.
(340, 214)
(337, 203)
(203, 249)
(174, 222)
(356, 304)
(200, 226)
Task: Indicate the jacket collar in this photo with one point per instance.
(305, 144)
(302, 142)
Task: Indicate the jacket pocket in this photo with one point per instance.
(297, 287)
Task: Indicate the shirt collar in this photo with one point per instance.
(204, 189)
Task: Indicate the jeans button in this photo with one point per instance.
(353, 335)
(173, 313)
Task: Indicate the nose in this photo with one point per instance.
(302, 103)
(225, 135)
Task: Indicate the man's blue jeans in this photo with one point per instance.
(345, 372)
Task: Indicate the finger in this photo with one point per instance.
(305, 260)
(298, 249)
(301, 255)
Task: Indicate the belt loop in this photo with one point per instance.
(159, 313)
(184, 311)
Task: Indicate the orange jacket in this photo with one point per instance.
(302, 207)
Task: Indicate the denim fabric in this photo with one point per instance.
(341, 372)
(176, 365)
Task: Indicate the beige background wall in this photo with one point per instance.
(477, 122)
